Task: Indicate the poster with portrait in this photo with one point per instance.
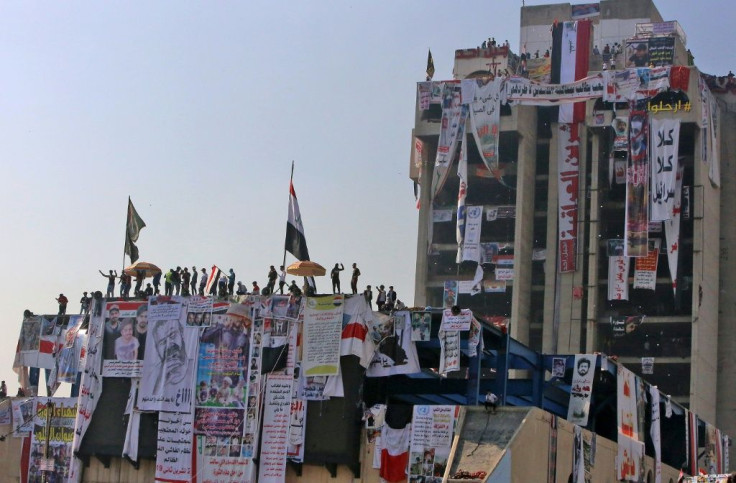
(199, 311)
(395, 352)
(23, 411)
(421, 326)
(581, 388)
(620, 133)
(449, 296)
(223, 371)
(637, 186)
(558, 367)
(431, 440)
(123, 343)
(63, 414)
(38, 342)
(218, 461)
(170, 357)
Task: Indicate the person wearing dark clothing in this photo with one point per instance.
(176, 280)
(390, 298)
(368, 294)
(203, 282)
(231, 282)
(3, 390)
(185, 278)
(354, 279)
(156, 283)
(294, 289)
(84, 303)
(110, 283)
(195, 274)
(282, 279)
(63, 301)
(272, 277)
(148, 292)
(140, 275)
(335, 277)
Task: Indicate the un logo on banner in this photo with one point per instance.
(422, 410)
(474, 211)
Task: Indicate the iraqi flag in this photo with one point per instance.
(296, 243)
(354, 340)
(571, 62)
(215, 274)
(394, 452)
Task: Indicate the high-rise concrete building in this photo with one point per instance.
(687, 330)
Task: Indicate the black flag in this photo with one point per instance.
(133, 228)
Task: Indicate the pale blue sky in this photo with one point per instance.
(196, 109)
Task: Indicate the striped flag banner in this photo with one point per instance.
(215, 275)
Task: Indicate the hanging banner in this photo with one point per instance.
(506, 274)
(395, 351)
(485, 119)
(581, 389)
(625, 324)
(578, 463)
(621, 133)
(645, 268)
(637, 186)
(322, 335)
(199, 311)
(449, 351)
(618, 278)
(654, 431)
(629, 459)
(217, 461)
(122, 345)
(432, 429)
(475, 337)
(449, 294)
(295, 451)
(647, 365)
(56, 466)
(452, 128)
(421, 325)
(38, 342)
(530, 93)
(460, 321)
(72, 352)
(276, 418)
(568, 159)
(672, 231)
(23, 411)
(174, 447)
(441, 216)
(628, 421)
(462, 192)
(170, 357)
(471, 245)
(665, 146)
(635, 83)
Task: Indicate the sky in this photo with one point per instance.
(196, 111)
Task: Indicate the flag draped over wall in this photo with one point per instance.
(133, 228)
(296, 243)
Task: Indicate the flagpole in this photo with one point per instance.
(127, 214)
(291, 180)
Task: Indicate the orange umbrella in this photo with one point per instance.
(306, 268)
(150, 269)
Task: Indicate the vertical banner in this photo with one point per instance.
(637, 186)
(672, 231)
(170, 357)
(552, 456)
(618, 278)
(664, 166)
(621, 133)
(432, 429)
(23, 411)
(60, 436)
(123, 345)
(471, 245)
(581, 389)
(578, 461)
(449, 351)
(450, 292)
(630, 449)
(462, 192)
(654, 430)
(174, 447)
(395, 351)
(452, 127)
(645, 268)
(568, 160)
(322, 335)
(276, 419)
(485, 118)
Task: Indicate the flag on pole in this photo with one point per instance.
(430, 66)
(133, 228)
(296, 243)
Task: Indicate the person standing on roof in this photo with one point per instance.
(110, 283)
(63, 301)
(231, 282)
(354, 279)
(272, 277)
(335, 277)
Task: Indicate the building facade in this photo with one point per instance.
(680, 322)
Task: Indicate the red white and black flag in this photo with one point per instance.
(215, 274)
(296, 243)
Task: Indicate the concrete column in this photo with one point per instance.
(524, 225)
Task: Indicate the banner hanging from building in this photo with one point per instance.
(23, 411)
(665, 146)
(452, 127)
(568, 160)
(637, 186)
(672, 231)
(38, 342)
(630, 449)
(530, 93)
(170, 357)
(395, 351)
(60, 433)
(449, 294)
(581, 388)
(449, 351)
(276, 419)
(123, 343)
(432, 429)
(471, 244)
(645, 268)
(485, 118)
(461, 321)
(322, 335)
(174, 450)
(574, 62)
(654, 430)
